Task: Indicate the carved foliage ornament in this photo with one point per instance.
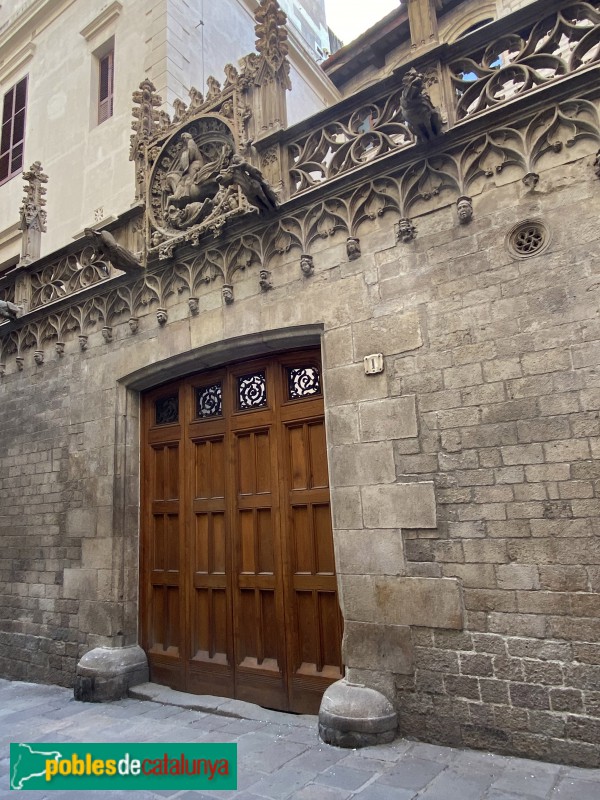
(32, 210)
(271, 34)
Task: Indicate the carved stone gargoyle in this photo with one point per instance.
(421, 116)
(235, 171)
(9, 310)
(120, 257)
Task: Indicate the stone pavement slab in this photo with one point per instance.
(280, 756)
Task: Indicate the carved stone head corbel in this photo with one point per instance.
(406, 231)
(227, 293)
(531, 180)
(265, 280)
(307, 264)
(353, 248)
(464, 209)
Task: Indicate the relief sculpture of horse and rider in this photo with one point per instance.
(199, 182)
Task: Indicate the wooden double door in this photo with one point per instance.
(238, 587)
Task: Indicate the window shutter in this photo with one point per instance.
(106, 87)
(12, 137)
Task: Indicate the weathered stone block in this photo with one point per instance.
(370, 552)
(517, 576)
(346, 508)
(342, 425)
(359, 464)
(425, 602)
(96, 553)
(400, 505)
(351, 385)
(80, 583)
(378, 647)
(390, 334)
(393, 418)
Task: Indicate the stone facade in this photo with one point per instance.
(464, 476)
(55, 43)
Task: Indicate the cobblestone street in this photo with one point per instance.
(280, 755)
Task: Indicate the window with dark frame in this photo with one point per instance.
(106, 86)
(12, 139)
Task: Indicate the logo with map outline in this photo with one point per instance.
(130, 766)
(27, 764)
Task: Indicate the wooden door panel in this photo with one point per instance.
(209, 634)
(210, 666)
(165, 618)
(166, 471)
(313, 615)
(257, 602)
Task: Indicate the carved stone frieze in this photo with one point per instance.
(8, 310)
(147, 117)
(68, 274)
(147, 121)
(86, 305)
(520, 62)
(355, 139)
(264, 280)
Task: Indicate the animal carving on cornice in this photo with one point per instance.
(235, 171)
(9, 310)
(107, 247)
(421, 116)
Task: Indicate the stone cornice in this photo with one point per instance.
(16, 62)
(102, 20)
(30, 22)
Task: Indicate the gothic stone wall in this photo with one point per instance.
(464, 477)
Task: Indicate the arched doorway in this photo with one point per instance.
(238, 587)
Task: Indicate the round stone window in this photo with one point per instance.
(528, 239)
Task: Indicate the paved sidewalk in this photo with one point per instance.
(280, 756)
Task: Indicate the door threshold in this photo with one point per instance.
(222, 706)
